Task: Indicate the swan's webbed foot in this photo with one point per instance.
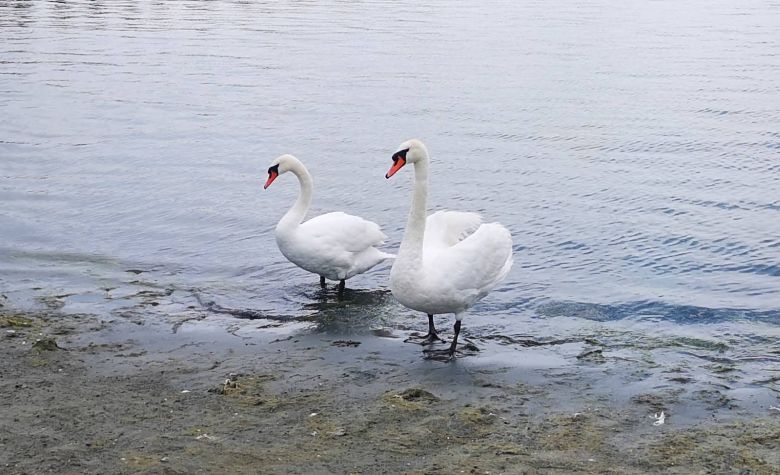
(322, 281)
(444, 354)
(427, 339)
(448, 354)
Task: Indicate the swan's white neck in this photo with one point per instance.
(412, 244)
(295, 215)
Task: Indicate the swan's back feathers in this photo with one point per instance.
(334, 245)
(448, 228)
(348, 232)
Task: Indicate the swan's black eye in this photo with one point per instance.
(273, 169)
(400, 154)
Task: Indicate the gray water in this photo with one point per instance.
(632, 149)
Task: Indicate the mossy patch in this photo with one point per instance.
(470, 422)
(249, 390)
(252, 390)
(509, 449)
(410, 399)
(323, 426)
(38, 362)
(46, 344)
(101, 443)
(699, 343)
(579, 432)
(720, 452)
(761, 435)
(140, 462)
(676, 447)
(15, 321)
(193, 431)
(477, 415)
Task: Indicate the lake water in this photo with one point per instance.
(632, 149)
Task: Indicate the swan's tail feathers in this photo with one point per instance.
(505, 270)
(447, 228)
(497, 254)
(367, 259)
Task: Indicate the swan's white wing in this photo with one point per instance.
(475, 265)
(334, 245)
(447, 228)
(343, 231)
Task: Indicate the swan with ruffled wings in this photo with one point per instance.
(448, 260)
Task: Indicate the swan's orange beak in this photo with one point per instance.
(398, 163)
(272, 174)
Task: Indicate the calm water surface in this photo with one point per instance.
(632, 148)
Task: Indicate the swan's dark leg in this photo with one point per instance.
(341, 288)
(455, 339)
(432, 335)
(448, 354)
(322, 281)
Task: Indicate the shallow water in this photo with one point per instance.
(632, 148)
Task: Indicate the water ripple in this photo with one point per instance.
(632, 164)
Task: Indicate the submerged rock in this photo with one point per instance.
(46, 344)
(345, 343)
(592, 356)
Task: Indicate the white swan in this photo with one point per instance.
(336, 246)
(447, 261)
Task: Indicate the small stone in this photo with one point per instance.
(346, 343)
(592, 356)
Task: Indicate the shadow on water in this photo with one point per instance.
(359, 311)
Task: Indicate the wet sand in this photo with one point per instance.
(204, 393)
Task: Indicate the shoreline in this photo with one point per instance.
(206, 393)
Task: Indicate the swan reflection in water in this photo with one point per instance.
(360, 311)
